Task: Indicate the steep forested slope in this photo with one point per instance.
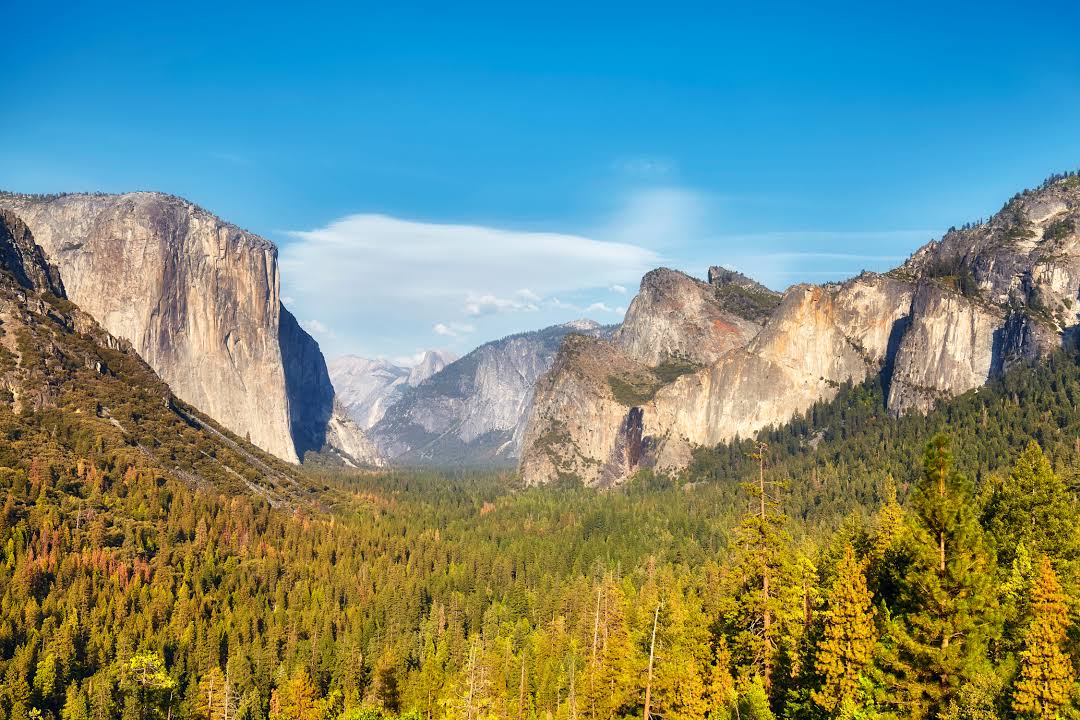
(128, 592)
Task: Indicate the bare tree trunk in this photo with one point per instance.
(592, 663)
(521, 689)
(766, 611)
(572, 697)
(227, 688)
(652, 656)
(596, 623)
(941, 534)
(472, 681)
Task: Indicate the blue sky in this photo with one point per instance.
(440, 175)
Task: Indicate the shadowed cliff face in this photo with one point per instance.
(23, 258)
(960, 311)
(307, 385)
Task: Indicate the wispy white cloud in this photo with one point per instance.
(477, 305)
(317, 328)
(619, 289)
(590, 309)
(381, 281)
(453, 329)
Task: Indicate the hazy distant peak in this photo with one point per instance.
(432, 362)
(583, 324)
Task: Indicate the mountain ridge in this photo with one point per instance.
(958, 312)
(366, 387)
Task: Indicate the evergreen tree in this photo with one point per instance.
(847, 646)
(210, 700)
(1033, 508)
(1044, 686)
(151, 685)
(946, 611)
(296, 700)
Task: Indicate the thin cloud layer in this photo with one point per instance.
(371, 280)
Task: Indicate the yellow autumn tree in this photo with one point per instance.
(847, 645)
(1046, 677)
(297, 700)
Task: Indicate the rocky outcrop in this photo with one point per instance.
(431, 362)
(346, 441)
(817, 338)
(961, 310)
(947, 349)
(676, 317)
(366, 388)
(198, 298)
(24, 259)
(581, 425)
(473, 411)
(991, 295)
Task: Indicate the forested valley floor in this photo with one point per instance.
(849, 564)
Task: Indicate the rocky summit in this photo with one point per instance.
(198, 299)
(698, 363)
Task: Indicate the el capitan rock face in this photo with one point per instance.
(961, 310)
(198, 298)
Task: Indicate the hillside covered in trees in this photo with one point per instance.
(886, 571)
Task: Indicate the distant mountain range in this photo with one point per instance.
(473, 411)
(367, 387)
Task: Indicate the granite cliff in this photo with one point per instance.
(65, 382)
(687, 369)
(473, 411)
(366, 388)
(198, 299)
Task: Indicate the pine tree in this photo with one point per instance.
(76, 704)
(720, 691)
(847, 646)
(763, 542)
(946, 610)
(297, 700)
(151, 683)
(211, 695)
(1046, 672)
(1032, 507)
